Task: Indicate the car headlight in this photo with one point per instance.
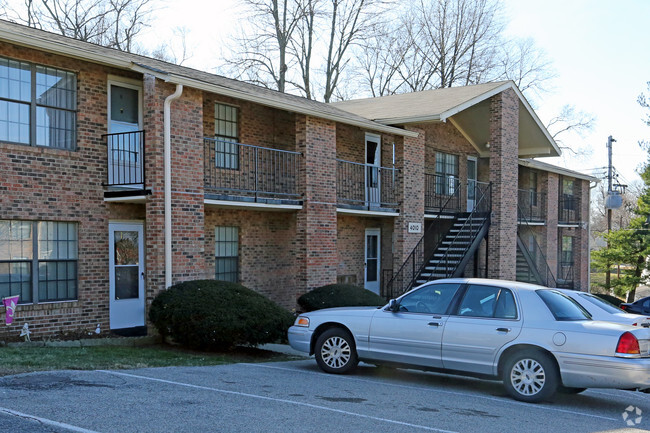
(302, 321)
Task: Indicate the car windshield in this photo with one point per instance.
(563, 307)
(601, 303)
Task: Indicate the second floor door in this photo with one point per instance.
(125, 138)
(471, 182)
(373, 164)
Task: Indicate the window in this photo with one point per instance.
(566, 255)
(37, 105)
(226, 134)
(562, 307)
(601, 303)
(446, 173)
(51, 260)
(431, 299)
(226, 253)
(568, 202)
(488, 301)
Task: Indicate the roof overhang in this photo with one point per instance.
(542, 166)
(41, 42)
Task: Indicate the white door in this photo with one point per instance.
(126, 280)
(372, 260)
(471, 183)
(373, 163)
(124, 141)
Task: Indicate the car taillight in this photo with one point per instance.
(628, 345)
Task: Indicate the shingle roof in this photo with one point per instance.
(51, 42)
(418, 106)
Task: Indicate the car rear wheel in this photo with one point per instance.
(335, 351)
(530, 376)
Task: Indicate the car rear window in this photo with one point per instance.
(563, 307)
(601, 303)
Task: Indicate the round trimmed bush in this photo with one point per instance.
(218, 315)
(339, 295)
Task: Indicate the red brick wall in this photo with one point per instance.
(59, 185)
(268, 250)
(444, 137)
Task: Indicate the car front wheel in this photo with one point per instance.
(335, 351)
(530, 376)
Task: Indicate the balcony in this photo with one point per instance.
(532, 206)
(366, 187)
(126, 169)
(569, 210)
(241, 172)
(442, 192)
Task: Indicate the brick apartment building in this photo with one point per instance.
(121, 175)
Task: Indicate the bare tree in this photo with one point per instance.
(570, 119)
(112, 23)
(262, 54)
(175, 51)
(525, 64)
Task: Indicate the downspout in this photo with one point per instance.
(168, 183)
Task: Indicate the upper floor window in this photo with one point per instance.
(37, 105)
(567, 198)
(226, 134)
(446, 173)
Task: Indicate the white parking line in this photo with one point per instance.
(465, 394)
(279, 400)
(46, 421)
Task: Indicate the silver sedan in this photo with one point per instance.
(536, 340)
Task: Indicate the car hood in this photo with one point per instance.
(343, 311)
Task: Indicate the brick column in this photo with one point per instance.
(551, 187)
(316, 222)
(188, 240)
(409, 154)
(155, 211)
(581, 243)
(504, 146)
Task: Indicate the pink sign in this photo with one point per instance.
(10, 308)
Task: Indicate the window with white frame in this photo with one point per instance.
(38, 105)
(226, 134)
(226, 242)
(38, 260)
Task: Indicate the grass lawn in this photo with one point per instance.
(15, 360)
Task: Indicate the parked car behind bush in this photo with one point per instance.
(218, 315)
(339, 295)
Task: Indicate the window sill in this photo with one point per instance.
(40, 150)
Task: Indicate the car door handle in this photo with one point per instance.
(436, 324)
(503, 330)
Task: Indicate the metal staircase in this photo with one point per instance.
(532, 268)
(452, 252)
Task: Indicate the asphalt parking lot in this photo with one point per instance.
(296, 397)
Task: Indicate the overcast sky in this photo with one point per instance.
(599, 49)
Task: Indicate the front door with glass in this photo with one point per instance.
(126, 278)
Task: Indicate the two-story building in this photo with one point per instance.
(121, 175)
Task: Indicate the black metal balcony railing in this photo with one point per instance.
(565, 275)
(442, 191)
(532, 205)
(569, 210)
(366, 186)
(250, 172)
(125, 158)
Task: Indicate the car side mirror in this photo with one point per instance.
(393, 305)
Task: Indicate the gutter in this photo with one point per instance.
(168, 183)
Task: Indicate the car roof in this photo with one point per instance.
(488, 281)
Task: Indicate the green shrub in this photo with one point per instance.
(218, 315)
(339, 295)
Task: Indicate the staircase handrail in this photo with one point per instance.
(389, 293)
(549, 273)
(469, 221)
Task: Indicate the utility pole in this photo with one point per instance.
(610, 140)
